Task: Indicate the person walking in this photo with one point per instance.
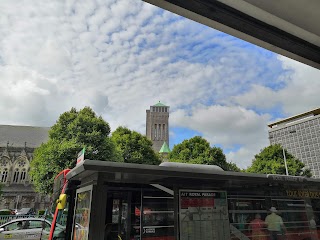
(257, 228)
(275, 224)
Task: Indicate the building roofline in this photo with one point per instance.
(299, 116)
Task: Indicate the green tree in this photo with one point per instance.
(271, 161)
(197, 150)
(73, 131)
(134, 147)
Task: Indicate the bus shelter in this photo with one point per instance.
(121, 201)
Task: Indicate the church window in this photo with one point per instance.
(16, 176)
(3, 162)
(4, 175)
(23, 175)
(21, 163)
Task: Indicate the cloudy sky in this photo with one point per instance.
(121, 56)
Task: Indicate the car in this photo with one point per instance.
(30, 228)
(26, 212)
(6, 211)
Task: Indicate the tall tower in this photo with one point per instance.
(157, 125)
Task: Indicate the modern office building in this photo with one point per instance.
(300, 135)
(157, 125)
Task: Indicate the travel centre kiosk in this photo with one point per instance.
(177, 201)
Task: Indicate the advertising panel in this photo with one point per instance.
(203, 215)
(82, 215)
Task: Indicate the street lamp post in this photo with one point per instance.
(285, 161)
(18, 196)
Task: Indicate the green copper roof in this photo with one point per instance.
(165, 148)
(159, 104)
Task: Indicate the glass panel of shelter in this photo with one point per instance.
(123, 217)
(298, 207)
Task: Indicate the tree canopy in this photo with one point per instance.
(73, 131)
(134, 147)
(197, 150)
(271, 161)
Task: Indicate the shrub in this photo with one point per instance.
(41, 212)
(5, 212)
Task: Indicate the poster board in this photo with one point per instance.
(82, 213)
(203, 214)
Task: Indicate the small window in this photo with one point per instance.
(4, 175)
(23, 175)
(16, 176)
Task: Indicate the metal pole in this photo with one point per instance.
(17, 201)
(285, 161)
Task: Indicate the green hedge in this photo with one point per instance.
(41, 212)
(5, 212)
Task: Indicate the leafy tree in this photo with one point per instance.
(134, 147)
(271, 161)
(73, 131)
(197, 150)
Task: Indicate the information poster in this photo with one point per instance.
(203, 215)
(82, 215)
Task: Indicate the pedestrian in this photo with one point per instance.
(257, 226)
(313, 229)
(275, 224)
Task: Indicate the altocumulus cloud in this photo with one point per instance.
(120, 57)
(229, 126)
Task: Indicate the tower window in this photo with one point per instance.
(159, 132)
(155, 132)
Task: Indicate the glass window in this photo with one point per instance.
(158, 215)
(82, 215)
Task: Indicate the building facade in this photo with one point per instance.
(17, 144)
(157, 125)
(300, 135)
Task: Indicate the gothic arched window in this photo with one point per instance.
(20, 172)
(4, 166)
(16, 175)
(4, 175)
(23, 175)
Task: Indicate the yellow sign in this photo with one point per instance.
(303, 194)
(7, 236)
(61, 202)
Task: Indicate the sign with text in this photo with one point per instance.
(286, 178)
(80, 158)
(303, 194)
(203, 215)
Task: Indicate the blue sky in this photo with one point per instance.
(120, 57)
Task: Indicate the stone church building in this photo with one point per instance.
(17, 144)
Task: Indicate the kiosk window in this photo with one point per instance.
(82, 215)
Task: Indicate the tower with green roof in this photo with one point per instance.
(157, 125)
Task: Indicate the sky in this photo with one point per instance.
(122, 56)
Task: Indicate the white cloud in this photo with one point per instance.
(121, 56)
(229, 126)
(299, 92)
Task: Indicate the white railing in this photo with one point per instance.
(8, 218)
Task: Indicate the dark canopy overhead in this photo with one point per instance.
(288, 27)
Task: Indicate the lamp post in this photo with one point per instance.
(285, 161)
(18, 196)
